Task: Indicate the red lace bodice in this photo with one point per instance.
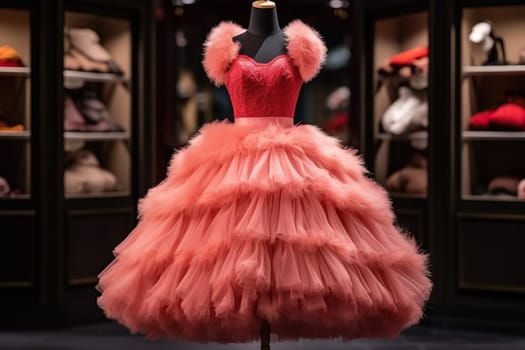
(263, 89)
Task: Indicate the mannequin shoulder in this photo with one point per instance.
(220, 50)
(306, 48)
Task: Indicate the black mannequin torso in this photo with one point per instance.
(264, 40)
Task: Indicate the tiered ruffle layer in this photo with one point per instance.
(267, 223)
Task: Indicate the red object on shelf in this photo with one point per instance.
(405, 58)
(11, 64)
(480, 120)
(337, 122)
(509, 116)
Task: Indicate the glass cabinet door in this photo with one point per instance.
(493, 103)
(401, 60)
(97, 106)
(15, 104)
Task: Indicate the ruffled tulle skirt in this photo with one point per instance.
(261, 220)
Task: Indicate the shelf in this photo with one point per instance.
(492, 197)
(494, 135)
(418, 135)
(15, 71)
(111, 194)
(94, 77)
(16, 196)
(404, 195)
(15, 135)
(96, 136)
(494, 70)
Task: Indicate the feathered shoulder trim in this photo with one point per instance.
(304, 46)
(220, 50)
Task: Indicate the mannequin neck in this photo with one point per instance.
(263, 22)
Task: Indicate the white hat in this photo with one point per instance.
(479, 32)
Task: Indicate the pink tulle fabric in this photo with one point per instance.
(263, 220)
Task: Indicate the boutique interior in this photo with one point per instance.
(96, 97)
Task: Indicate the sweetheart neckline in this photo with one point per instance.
(251, 59)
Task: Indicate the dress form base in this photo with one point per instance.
(265, 335)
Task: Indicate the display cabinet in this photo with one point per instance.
(472, 218)
(17, 217)
(392, 104)
(396, 96)
(489, 142)
(103, 98)
(15, 103)
(76, 125)
(493, 108)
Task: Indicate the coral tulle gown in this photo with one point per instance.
(263, 220)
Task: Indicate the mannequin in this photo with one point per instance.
(264, 40)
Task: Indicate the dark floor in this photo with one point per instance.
(109, 336)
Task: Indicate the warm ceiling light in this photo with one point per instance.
(182, 2)
(337, 4)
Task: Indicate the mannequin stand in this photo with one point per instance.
(265, 335)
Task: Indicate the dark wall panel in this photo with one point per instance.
(491, 254)
(412, 221)
(92, 236)
(17, 249)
